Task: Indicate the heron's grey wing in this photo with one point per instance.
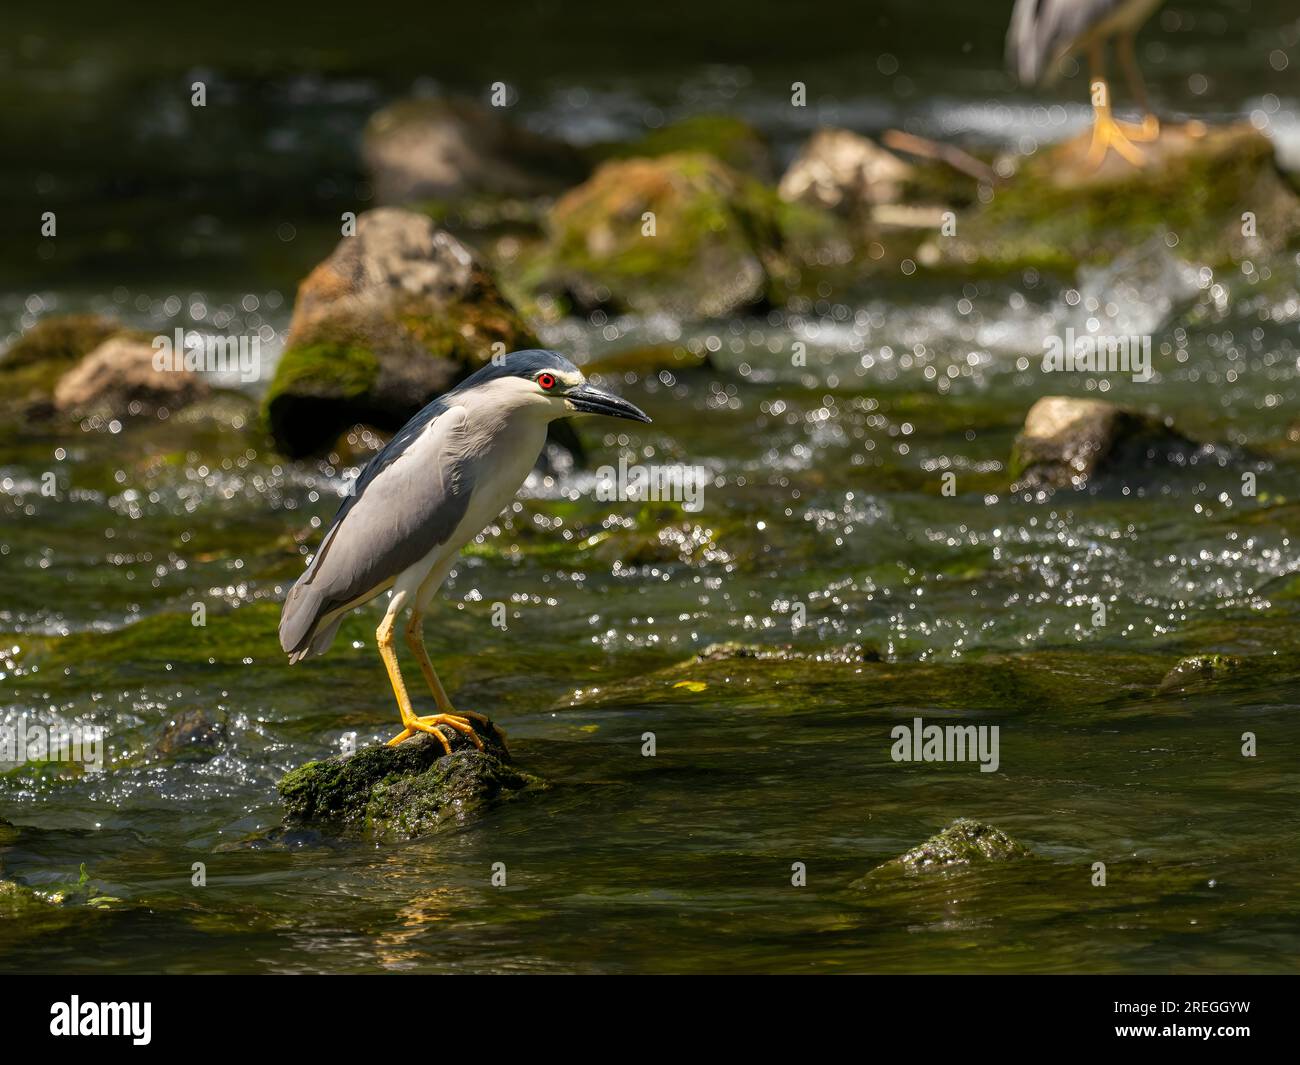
(408, 501)
(1041, 31)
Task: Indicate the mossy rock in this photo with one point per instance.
(32, 366)
(402, 792)
(715, 247)
(398, 314)
(728, 139)
(17, 900)
(1200, 670)
(1197, 184)
(963, 843)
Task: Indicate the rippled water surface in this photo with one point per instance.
(824, 527)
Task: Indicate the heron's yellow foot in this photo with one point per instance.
(430, 725)
(482, 720)
(1146, 130)
(1107, 135)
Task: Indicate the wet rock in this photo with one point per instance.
(35, 362)
(848, 654)
(119, 379)
(17, 900)
(191, 734)
(682, 234)
(396, 315)
(728, 139)
(1066, 440)
(1197, 184)
(964, 842)
(1199, 670)
(450, 149)
(401, 792)
(842, 171)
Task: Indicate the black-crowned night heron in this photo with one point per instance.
(445, 475)
(1044, 32)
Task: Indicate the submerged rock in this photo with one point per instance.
(119, 379)
(682, 234)
(843, 171)
(1067, 440)
(396, 315)
(1198, 670)
(449, 149)
(1196, 189)
(17, 900)
(964, 842)
(404, 791)
(191, 734)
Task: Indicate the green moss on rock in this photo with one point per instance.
(1198, 670)
(713, 249)
(399, 313)
(1057, 212)
(32, 366)
(964, 842)
(404, 791)
(728, 139)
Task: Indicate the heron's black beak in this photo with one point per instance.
(590, 400)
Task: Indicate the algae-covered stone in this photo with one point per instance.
(728, 139)
(682, 234)
(404, 791)
(17, 900)
(1066, 440)
(1196, 186)
(1198, 670)
(964, 842)
(396, 315)
(450, 149)
(32, 366)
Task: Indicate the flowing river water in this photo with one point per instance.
(824, 525)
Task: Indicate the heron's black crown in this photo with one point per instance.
(518, 364)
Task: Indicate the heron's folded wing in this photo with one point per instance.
(409, 500)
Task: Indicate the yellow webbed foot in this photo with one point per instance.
(1107, 135)
(430, 725)
(1146, 130)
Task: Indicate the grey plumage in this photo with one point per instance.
(1043, 31)
(413, 497)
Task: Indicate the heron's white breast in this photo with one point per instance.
(496, 450)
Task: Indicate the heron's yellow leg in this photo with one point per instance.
(410, 723)
(415, 640)
(1106, 132)
(1149, 130)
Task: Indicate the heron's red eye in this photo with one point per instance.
(546, 380)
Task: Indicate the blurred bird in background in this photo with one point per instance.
(1044, 32)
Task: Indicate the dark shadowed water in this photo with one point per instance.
(824, 524)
